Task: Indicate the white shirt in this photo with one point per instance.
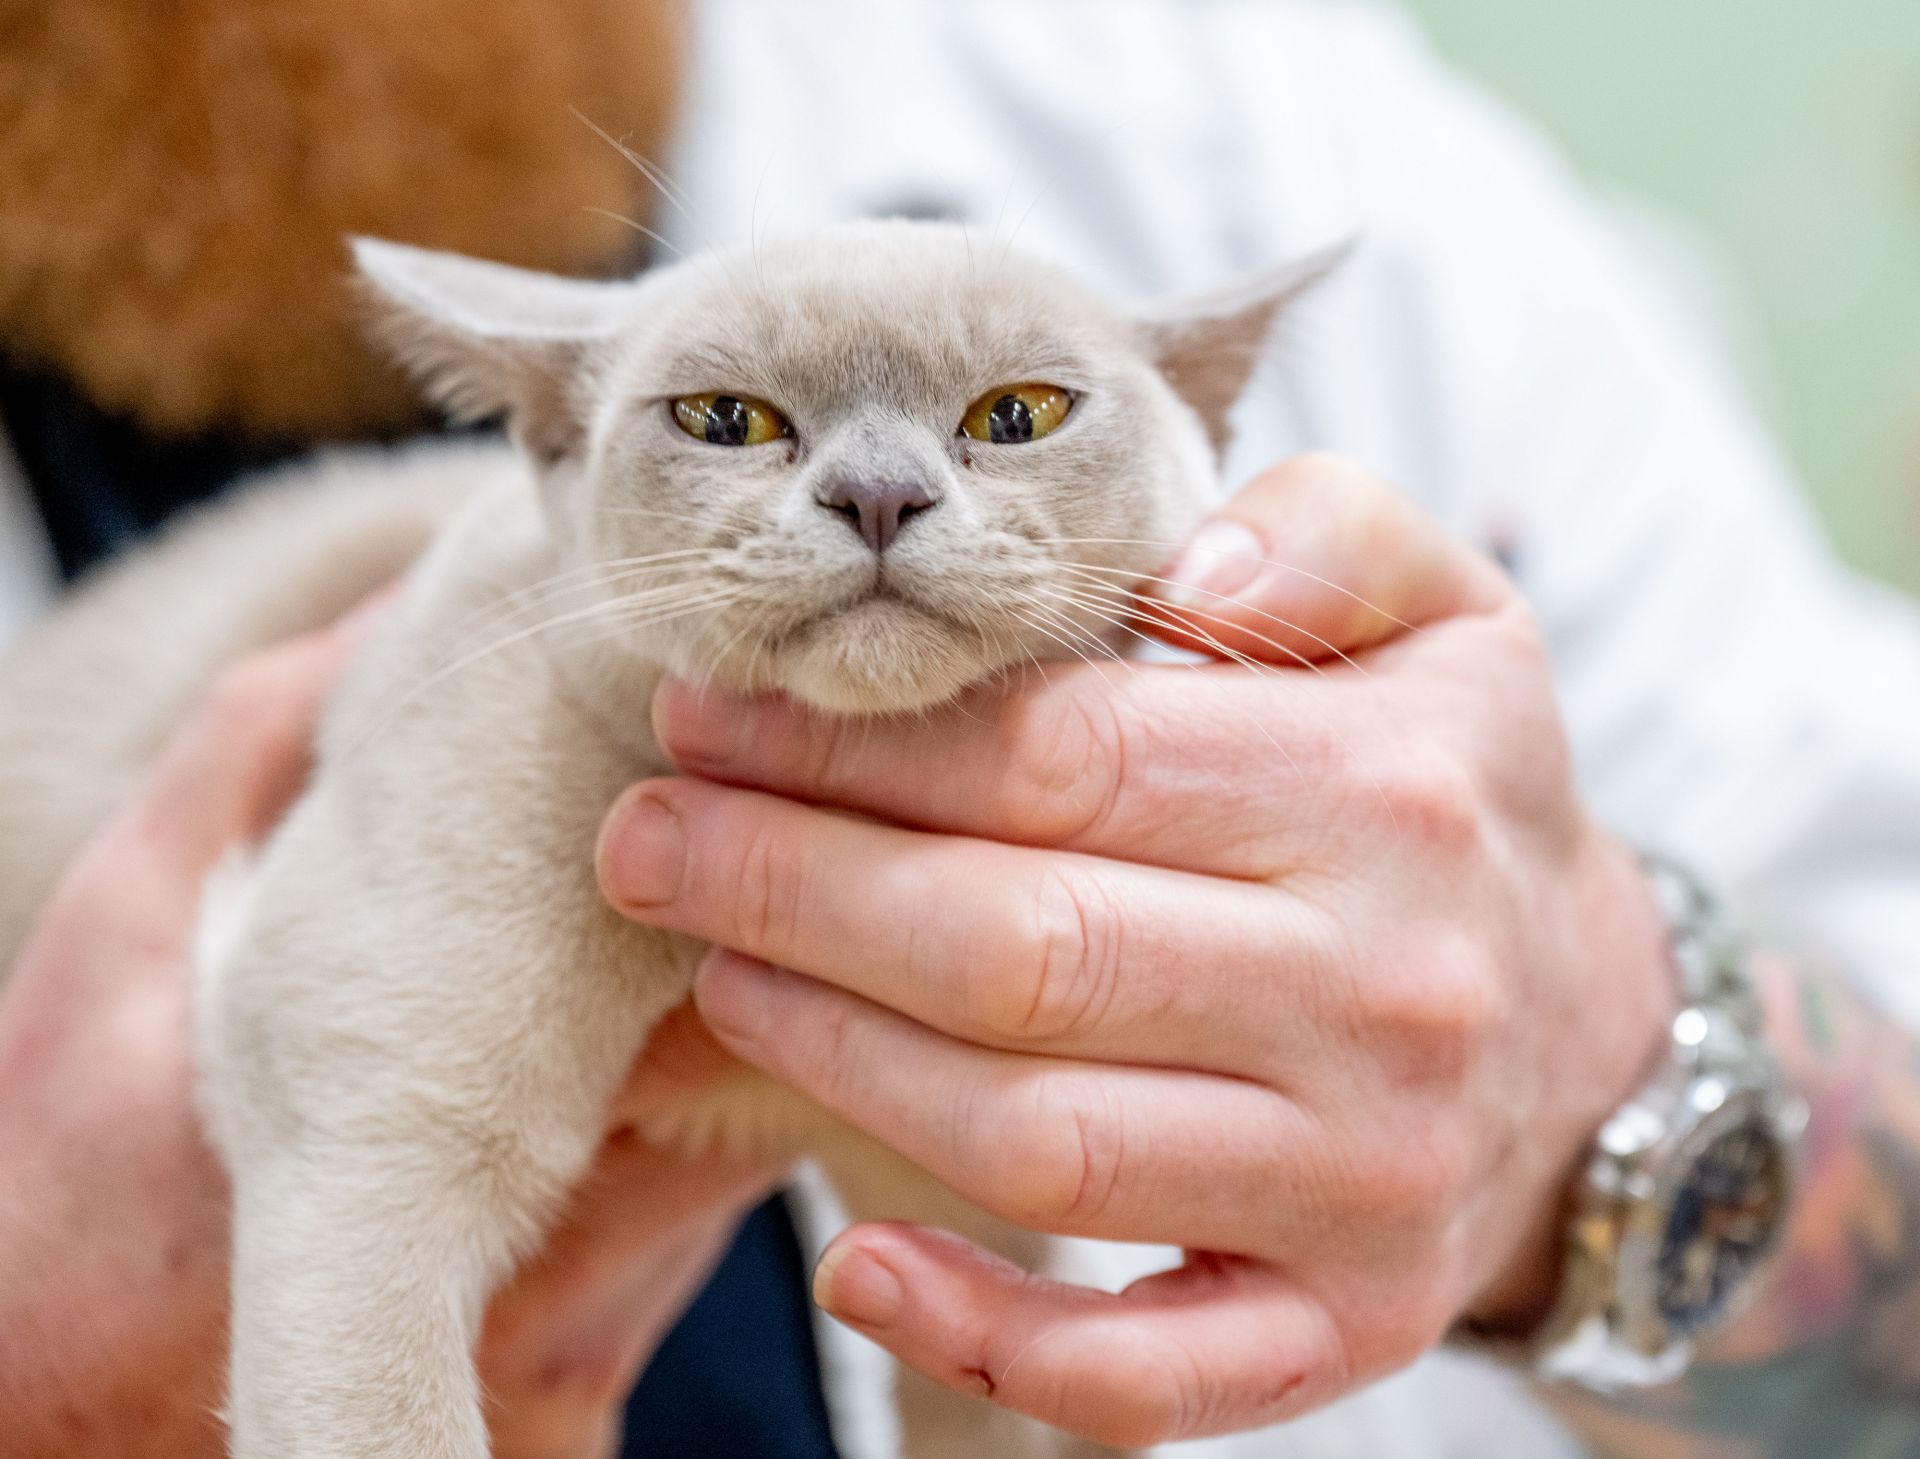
(1732, 695)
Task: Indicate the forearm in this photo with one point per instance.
(112, 1280)
(1826, 1360)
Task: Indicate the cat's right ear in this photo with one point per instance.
(486, 337)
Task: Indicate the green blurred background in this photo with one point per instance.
(1786, 134)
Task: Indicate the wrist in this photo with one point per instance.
(1689, 1187)
(1614, 1026)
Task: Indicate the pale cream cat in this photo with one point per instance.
(846, 468)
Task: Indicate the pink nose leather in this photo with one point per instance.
(877, 510)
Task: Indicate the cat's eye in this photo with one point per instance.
(729, 420)
(1011, 414)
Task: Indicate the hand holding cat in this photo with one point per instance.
(1321, 972)
(114, 1211)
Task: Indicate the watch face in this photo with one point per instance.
(1725, 1215)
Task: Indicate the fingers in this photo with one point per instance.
(1217, 1346)
(565, 1340)
(1314, 561)
(1110, 764)
(1125, 1154)
(682, 1064)
(233, 770)
(1002, 945)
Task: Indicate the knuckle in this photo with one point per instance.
(1158, 1390)
(1161, 1399)
(827, 750)
(770, 889)
(830, 1058)
(1072, 961)
(1435, 805)
(1063, 1173)
(1404, 1190)
(1072, 757)
(1432, 1023)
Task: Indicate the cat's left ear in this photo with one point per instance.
(486, 337)
(1207, 345)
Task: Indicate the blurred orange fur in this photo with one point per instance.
(176, 180)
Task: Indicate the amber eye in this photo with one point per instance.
(1011, 414)
(729, 420)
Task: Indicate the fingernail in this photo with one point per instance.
(643, 850)
(1222, 558)
(857, 1288)
(735, 996)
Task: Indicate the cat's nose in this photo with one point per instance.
(877, 510)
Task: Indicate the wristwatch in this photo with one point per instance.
(1690, 1184)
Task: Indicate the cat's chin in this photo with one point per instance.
(880, 659)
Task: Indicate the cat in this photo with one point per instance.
(852, 468)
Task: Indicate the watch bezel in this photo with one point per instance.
(1640, 1321)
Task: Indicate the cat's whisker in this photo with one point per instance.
(598, 573)
(1265, 733)
(719, 657)
(640, 619)
(611, 569)
(1114, 611)
(1164, 615)
(1085, 569)
(709, 604)
(642, 229)
(1298, 571)
(680, 518)
(1048, 615)
(1073, 651)
(650, 170)
(1081, 631)
(592, 578)
(753, 220)
(632, 620)
(638, 608)
(1046, 189)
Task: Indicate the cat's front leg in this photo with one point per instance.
(360, 1274)
(398, 1139)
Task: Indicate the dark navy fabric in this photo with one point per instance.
(739, 1375)
(100, 481)
(738, 1378)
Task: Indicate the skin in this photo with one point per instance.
(113, 1211)
(1380, 1055)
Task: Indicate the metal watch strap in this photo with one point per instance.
(1716, 1051)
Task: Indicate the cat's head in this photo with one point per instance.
(868, 468)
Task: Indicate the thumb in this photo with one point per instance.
(1316, 559)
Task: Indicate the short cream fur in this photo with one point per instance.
(415, 1010)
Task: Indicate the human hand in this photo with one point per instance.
(1322, 973)
(114, 1212)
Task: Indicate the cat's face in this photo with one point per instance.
(868, 468)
